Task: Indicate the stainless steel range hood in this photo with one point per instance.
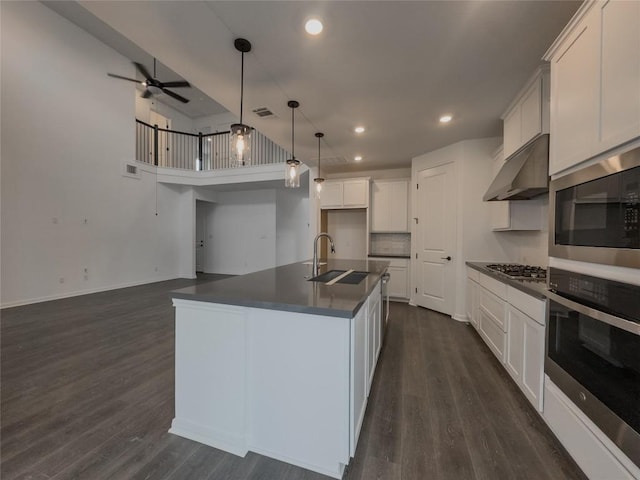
(525, 174)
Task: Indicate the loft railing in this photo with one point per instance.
(199, 151)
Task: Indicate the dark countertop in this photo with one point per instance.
(388, 255)
(286, 288)
(534, 288)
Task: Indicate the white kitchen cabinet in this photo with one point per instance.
(472, 297)
(374, 334)
(525, 354)
(389, 206)
(528, 115)
(492, 309)
(359, 384)
(398, 286)
(595, 80)
(348, 193)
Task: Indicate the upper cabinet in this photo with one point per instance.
(595, 83)
(528, 115)
(348, 193)
(389, 206)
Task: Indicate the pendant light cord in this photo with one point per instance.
(241, 84)
(293, 146)
(319, 174)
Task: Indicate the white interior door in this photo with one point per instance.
(201, 232)
(436, 213)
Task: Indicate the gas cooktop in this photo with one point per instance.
(520, 272)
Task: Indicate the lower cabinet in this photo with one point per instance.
(512, 324)
(398, 286)
(525, 354)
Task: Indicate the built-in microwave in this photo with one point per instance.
(595, 212)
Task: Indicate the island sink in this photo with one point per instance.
(349, 277)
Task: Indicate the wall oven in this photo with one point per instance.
(593, 352)
(596, 213)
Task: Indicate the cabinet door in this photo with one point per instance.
(398, 282)
(472, 303)
(358, 376)
(620, 73)
(574, 94)
(331, 194)
(355, 193)
(515, 343)
(512, 132)
(533, 361)
(380, 200)
(373, 335)
(531, 112)
(398, 206)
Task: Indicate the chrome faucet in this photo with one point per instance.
(316, 262)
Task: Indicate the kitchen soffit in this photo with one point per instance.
(394, 66)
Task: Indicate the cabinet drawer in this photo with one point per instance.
(530, 306)
(493, 307)
(473, 274)
(493, 335)
(494, 286)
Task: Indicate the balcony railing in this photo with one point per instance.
(199, 151)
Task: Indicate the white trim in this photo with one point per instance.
(89, 291)
(460, 318)
(228, 442)
(315, 468)
(577, 18)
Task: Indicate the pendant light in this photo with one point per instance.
(292, 172)
(319, 180)
(241, 133)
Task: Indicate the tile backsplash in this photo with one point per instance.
(390, 244)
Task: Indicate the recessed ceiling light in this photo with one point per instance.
(445, 118)
(313, 26)
(357, 158)
(358, 129)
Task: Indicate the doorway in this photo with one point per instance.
(202, 209)
(436, 238)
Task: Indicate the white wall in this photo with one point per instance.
(179, 122)
(473, 160)
(241, 232)
(66, 129)
(292, 224)
(348, 228)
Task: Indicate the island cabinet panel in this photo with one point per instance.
(288, 384)
(298, 383)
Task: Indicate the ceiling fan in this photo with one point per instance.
(153, 85)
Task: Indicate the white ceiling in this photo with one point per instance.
(391, 66)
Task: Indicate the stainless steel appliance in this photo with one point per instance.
(596, 213)
(593, 352)
(517, 271)
(386, 277)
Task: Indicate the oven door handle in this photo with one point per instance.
(618, 322)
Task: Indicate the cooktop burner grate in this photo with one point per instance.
(519, 272)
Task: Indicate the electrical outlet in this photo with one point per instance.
(54, 220)
(61, 280)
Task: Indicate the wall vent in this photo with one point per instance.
(130, 169)
(263, 112)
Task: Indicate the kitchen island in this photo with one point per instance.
(273, 363)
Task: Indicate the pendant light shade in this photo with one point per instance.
(319, 180)
(292, 172)
(240, 151)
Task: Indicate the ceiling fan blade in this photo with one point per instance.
(146, 94)
(142, 70)
(123, 78)
(175, 95)
(177, 84)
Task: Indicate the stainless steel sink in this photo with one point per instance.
(351, 278)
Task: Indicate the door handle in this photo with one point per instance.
(447, 258)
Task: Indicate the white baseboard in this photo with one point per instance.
(214, 438)
(59, 296)
(460, 318)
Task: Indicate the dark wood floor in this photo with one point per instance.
(87, 393)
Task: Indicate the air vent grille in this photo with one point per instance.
(263, 112)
